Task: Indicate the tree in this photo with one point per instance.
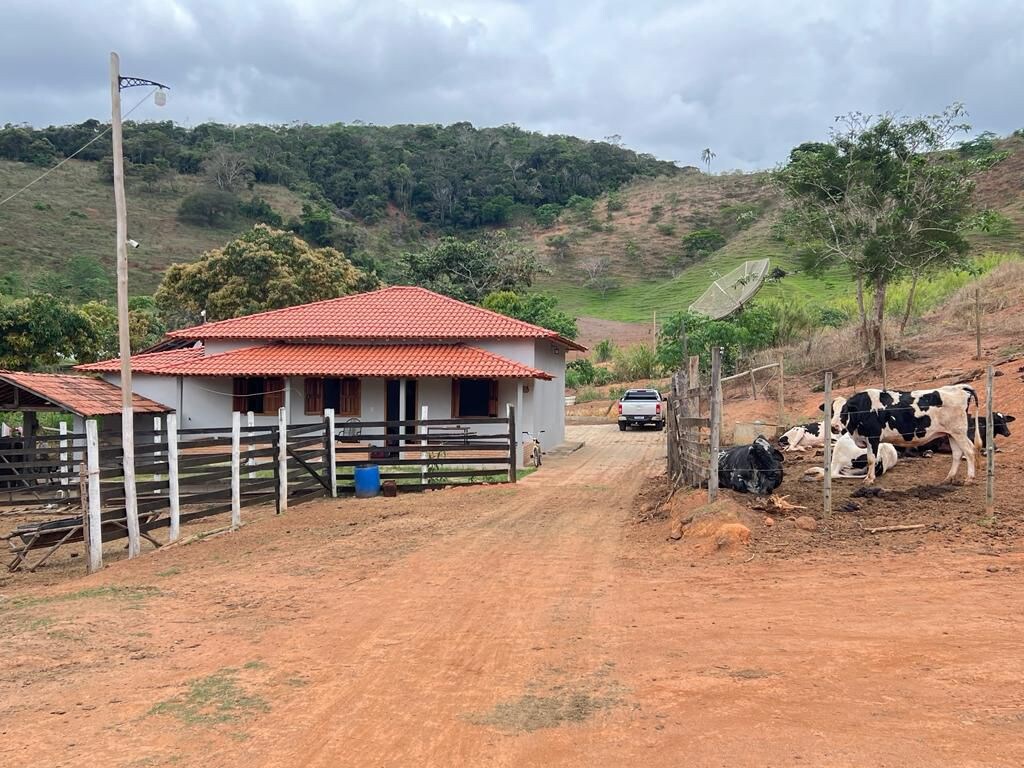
(263, 269)
(537, 308)
(706, 157)
(884, 199)
(560, 246)
(597, 274)
(468, 270)
(228, 171)
(41, 331)
(208, 208)
(701, 242)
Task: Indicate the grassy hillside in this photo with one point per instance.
(653, 275)
(71, 212)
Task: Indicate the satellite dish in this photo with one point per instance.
(730, 292)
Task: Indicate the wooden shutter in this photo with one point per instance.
(492, 403)
(350, 397)
(239, 400)
(314, 397)
(455, 398)
(273, 394)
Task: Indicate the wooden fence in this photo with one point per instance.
(694, 426)
(184, 475)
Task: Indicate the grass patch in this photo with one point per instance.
(170, 572)
(113, 592)
(212, 700)
(532, 713)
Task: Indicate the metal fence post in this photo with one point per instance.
(827, 429)
(250, 422)
(424, 455)
(716, 421)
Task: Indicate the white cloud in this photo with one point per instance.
(748, 78)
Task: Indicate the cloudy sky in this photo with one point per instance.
(748, 78)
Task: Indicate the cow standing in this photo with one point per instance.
(911, 419)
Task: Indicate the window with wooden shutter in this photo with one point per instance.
(350, 400)
(492, 403)
(273, 394)
(314, 397)
(240, 396)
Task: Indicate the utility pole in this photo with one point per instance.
(131, 506)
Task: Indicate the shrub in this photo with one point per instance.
(583, 207)
(657, 211)
(603, 350)
(582, 370)
(548, 214)
(667, 229)
(703, 241)
(208, 208)
(602, 376)
(588, 395)
(638, 362)
(260, 210)
(614, 203)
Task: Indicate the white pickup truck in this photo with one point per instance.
(641, 407)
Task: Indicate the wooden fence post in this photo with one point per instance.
(827, 424)
(250, 421)
(92, 448)
(330, 460)
(282, 460)
(424, 455)
(510, 411)
(172, 476)
(881, 344)
(236, 470)
(716, 421)
(156, 454)
(977, 324)
(62, 428)
(990, 446)
(782, 390)
(753, 384)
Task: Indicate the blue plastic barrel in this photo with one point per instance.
(367, 481)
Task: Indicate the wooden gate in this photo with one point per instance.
(694, 421)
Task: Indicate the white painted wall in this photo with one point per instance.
(216, 346)
(549, 396)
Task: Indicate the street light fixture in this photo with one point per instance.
(118, 84)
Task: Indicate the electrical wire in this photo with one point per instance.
(91, 141)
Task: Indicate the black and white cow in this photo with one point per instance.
(910, 419)
(754, 468)
(851, 460)
(999, 429)
(803, 437)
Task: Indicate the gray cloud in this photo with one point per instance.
(749, 78)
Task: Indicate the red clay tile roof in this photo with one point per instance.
(147, 362)
(377, 360)
(78, 394)
(399, 313)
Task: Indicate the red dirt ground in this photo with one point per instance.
(549, 623)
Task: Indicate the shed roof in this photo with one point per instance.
(81, 395)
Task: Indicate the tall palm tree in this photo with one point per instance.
(706, 157)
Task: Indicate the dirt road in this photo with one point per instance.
(516, 626)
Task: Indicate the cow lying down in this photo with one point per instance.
(909, 419)
(850, 460)
(803, 437)
(999, 429)
(754, 468)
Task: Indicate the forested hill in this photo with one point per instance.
(451, 177)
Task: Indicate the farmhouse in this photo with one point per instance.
(377, 356)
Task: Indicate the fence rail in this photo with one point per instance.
(693, 438)
(184, 475)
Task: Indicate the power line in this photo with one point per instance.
(94, 139)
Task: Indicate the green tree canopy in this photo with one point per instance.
(468, 270)
(41, 331)
(263, 269)
(884, 198)
(537, 308)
